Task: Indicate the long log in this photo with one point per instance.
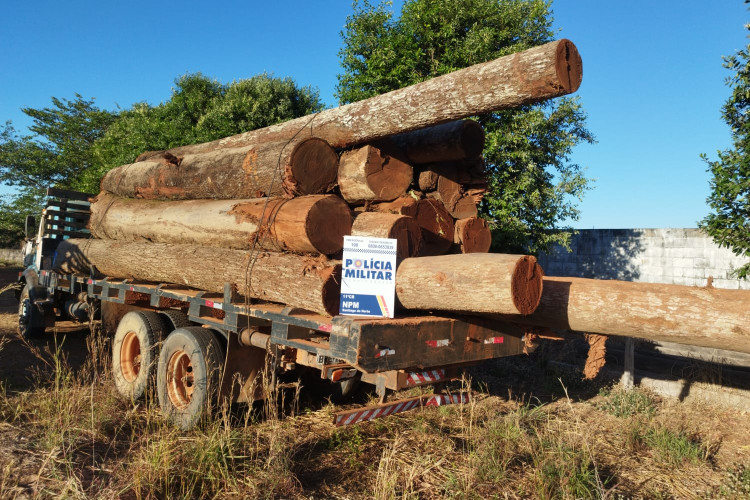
(315, 223)
(472, 235)
(371, 174)
(707, 317)
(527, 77)
(403, 229)
(450, 141)
(473, 283)
(282, 168)
(299, 281)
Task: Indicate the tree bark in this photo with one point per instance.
(473, 283)
(283, 168)
(450, 141)
(707, 317)
(315, 224)
(527, 77)
(437, 227)
(371, 174)
(472, 235)
(402, 228)
(299, 281)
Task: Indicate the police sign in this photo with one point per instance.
(368, 276)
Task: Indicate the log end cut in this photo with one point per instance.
(328, 221)
(472, 235)
(313, 168)
(569, 66)
(331, 289)
(437, 227)
(526, 284)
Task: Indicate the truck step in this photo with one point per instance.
(357, 415)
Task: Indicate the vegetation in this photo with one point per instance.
(729, 220)
(534, 187)
(74, 143)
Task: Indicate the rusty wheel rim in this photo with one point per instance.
(130, 357)
(180, 379)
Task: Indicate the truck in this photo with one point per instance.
(195, 348)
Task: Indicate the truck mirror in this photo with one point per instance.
(30, 227)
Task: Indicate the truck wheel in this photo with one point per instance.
(188, 376)
(31, 322)
(175, 319)
(135, 352)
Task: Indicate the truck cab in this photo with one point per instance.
(66, 216)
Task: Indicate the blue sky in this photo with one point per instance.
(653, 79)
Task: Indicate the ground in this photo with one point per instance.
(532, 430)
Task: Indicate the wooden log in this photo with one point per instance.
(456, 140)
(437, 227)
(371, 174)
(283, 168)
(472, 235)
(404, 205)
(527, 77)
(707, 317)
(402, 228)
(315, 223)
(472, 283)
(310, 283)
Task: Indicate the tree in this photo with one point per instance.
(56, 153)
(200, 110)
(533, 185)
(729, 220)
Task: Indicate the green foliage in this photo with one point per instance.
(675, 448)
(200, 110)
(533, 186)
(627, 403)
(729, 220)
(56, 153)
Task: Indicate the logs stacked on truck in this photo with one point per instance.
(267, 210)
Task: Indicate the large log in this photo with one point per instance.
(403, 229)
(299, 281)
(473, 283)
(437, 227)
(315, 223)
(707, 317)
(282, 168)
(450, 141)
(527, 77)
(472, 235)
(371, 174)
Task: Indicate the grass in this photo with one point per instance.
(68, 435)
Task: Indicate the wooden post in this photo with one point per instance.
(628, 376)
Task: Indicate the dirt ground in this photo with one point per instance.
(531, 431)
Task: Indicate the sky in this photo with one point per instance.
(653, 82)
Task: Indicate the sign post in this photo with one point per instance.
(368, 277)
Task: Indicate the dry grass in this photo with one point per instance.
(65, 434)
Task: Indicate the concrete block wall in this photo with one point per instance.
(11, 255)
(673, 256)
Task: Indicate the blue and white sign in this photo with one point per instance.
(368, 277)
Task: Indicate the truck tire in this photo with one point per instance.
(175, 319)
(189, 374)
(135, 352)
(31, 321)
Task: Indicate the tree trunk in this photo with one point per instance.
(450, 141)
(437, 227)
(370, 174)
(707, 317)
(527, 77)
(299, 281)
(284, 168)
(472, 235)
(474, 283)
(315, 223)
(402, 228)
